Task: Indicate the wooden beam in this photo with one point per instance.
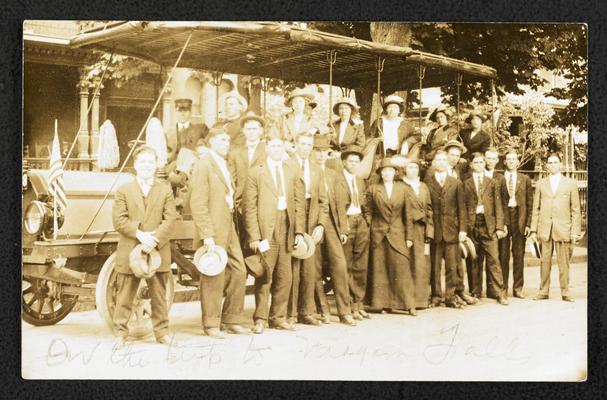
(194, 43)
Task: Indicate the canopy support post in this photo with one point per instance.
(331, 59)
(458, 81)
(421, 72)
(379, 66)
(493, 101)
(130, 153)
(217, 78)
(265, 85)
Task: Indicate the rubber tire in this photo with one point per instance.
(64, 311)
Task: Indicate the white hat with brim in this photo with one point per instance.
(306, 249)
(210, 263)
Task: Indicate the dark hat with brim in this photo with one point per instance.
(183, 103)
(344, 100)
(256, 265)
(252, 117)
(143, 264)
(448, 113)
(394, 99)
(352, 149)
(322, 142)
(297, 92)
(385, 163)
(475, 114)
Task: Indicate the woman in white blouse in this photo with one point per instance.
(398, 135)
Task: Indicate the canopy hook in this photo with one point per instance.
(331, 59)
(265, 85)
(458, 81)
(421, 73)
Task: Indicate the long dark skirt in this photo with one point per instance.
(420, 267)
(391, 282)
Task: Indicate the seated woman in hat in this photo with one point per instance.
(346, 130)
(397, 135)
(441, 134)
(475, 139)
(299, 119)
(391, 285)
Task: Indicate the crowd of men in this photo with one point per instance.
(289, 207)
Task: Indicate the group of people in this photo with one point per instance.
(262, 195)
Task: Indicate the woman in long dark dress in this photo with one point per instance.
(475, 139)
(420, 212)
(391, 285)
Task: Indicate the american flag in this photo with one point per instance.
(55, 176)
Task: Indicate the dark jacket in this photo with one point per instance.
(420, 209)
(318, 207)
(238, 161)
(492, 204)
(363, 200)
(479, 143)
(523, 193)
(406, 133)
(355, 134)
(437, 138)
(338, 201)
(448, 208)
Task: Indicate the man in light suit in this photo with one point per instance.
(556, 221)
(486, 226)
(301, 301)
(274, 214)
(143, 213)
(212, 204)
(517, 202)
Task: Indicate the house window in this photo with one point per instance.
(517, 126)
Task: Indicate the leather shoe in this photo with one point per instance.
(347, 320)
(309, 320)
(325, 318)
(541, 297)
(364, 314)
(502, 300)
(259, 327)
(356, 315)
(568, 298)
(283, 325)
(163, 339)
(453, 304)
(468, 299)
(214, 333)
(292, 320)
(518, 295)
(460, 301)
(412, 312)
(235, 329)
(435, 302)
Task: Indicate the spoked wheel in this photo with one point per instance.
(43, 301)
(140, 324)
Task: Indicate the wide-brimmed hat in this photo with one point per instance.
(351, 149)
(210, 263)
(256, 265)
(251, 116)
(322, 142)
(394, 99)
(441, 109)
(475, 114)
(468, 250)
(344, 100)
(534, 248)
(386, 162)
(298, 92)
(455, 143)
(306, 249)
(143, 264)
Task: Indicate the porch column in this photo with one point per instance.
(95, 122)
(83, 133)
(167, 105)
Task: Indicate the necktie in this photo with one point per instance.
(480, 188)
(281, 190)
(355, 193)
(441, 180)
(510, 185)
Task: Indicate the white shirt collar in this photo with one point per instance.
(184, 125)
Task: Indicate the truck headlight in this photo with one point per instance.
(36, 217)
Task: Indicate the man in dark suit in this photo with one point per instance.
(335, 236)
(186, 133)
(274, 213)
(517, 203)
(485, 224)
(234, 106)
(301, 301)
(212, 204)
(358, 213)
(456, 166)
(143, 213)
(450, 226)
(556, 221)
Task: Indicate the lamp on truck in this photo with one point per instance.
(39, 218)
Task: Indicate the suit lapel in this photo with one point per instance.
(153, 196)
(267, 179)
(138, 193)
(258, 152)
(219, 174)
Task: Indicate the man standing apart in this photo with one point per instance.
(274, 216)
(212, 204)
(556, 221)
(517, 203)
(143, 213)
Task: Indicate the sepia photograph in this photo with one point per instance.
(304, 200)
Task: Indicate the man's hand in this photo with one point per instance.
(505, 230)
(254, 246)
(575, 238)
(500, 234)
(463, 236)
(343, 238)
(409, 243)
(527, 231)
(210, 243)
(299, 239)
(147, 238)
(317, 233)
(533, 236)
(146, 249)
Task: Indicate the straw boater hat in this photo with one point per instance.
(352, 149)
(394, 99)
(455, 143)
(251, 116)
(468, 250)
(210, 263)
(298, 92)
(306, 249)
(440, 109)
(344, 100)
(143, 264)
(475, 114)
(256, 265)
(385, 163)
